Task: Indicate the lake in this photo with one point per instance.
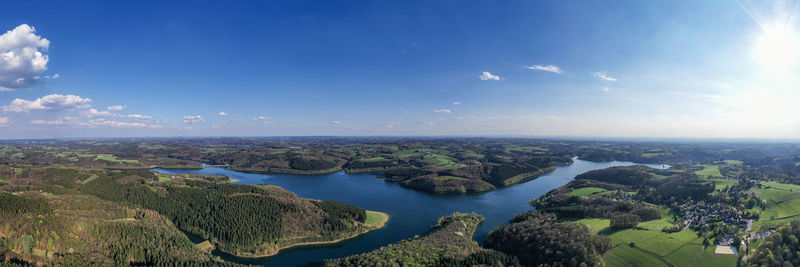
(412, 212)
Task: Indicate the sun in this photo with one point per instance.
(778, 47)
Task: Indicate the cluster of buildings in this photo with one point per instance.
(702, 214)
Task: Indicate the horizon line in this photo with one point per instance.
(551, 137)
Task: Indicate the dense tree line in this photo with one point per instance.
(626, 220)
(142, 245)
(633, 175)
(311, 164)
(435, 184)
(562, 204)
(366, 164)
(493, 173)
(450, 244)
(779, 249)
(676, 187)
(240, 217)
(339, 216)
(481, 258)
(538, 239)
(404, 173)
(15, 205)
(244, 220)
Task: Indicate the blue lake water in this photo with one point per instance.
(411, 212)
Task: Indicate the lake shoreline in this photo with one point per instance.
(378, 226)
(412, 211)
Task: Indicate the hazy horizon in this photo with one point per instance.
(724, 70)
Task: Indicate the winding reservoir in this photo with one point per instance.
(412, 212)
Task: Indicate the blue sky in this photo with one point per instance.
(533, 68)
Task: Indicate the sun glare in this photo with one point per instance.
(778, 47)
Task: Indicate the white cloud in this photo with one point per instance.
(442, 110)
(115, 108)
(48, 102)
(262, 118)
(222, 113)
(457, 103)
(139, 117)
(336, 122)
(427, 123)
(118, 124)
(55, 76)
(407, 112)
(488, 76)
(193, 119)
(604, 76)
(96, 113)
(21, 57)
(548, 68)
(606, 89)
(53, 122)
(3, 121)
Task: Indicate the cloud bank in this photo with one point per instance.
(22, 57)
(193, 119)
(48, 102)
(548, 68)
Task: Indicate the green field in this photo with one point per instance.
(693, 254)
(788, 187)
(375, 159)
(472, 154)
(439, 161)
(624, 255)
(709, 171)
(94, 176)
(447, 178)
(656, 248)
(732, 162)
(782, 200)
(655, 224)
(164, 178)
(596, 225)
(586, 191)
(650, 155)
(720, 183)
(374, 218)
(112, 158)
(413, 152)
(205, 246)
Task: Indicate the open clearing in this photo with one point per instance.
(376, 219)
(726, 250)
(586, 191)
(656, 248)
(782, 200)
(112, 158)
(205, 246)
(709, 171)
